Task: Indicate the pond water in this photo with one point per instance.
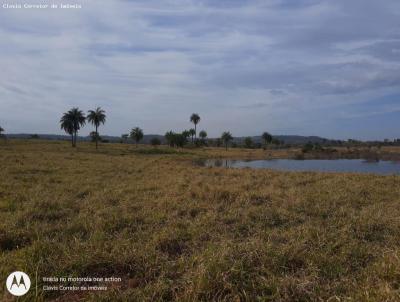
(320, 165)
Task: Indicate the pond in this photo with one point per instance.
(319, 165)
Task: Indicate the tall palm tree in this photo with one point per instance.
(267, 138)
(137, 134)
(96, 117)
(195, 119)
(226, 138)
(72, 121)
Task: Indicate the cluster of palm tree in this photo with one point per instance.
(227, 137)
(177, 139)
(136, 134)
(181, 139)
(72, 121)
(267, 138)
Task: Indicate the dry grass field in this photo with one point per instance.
(175, 231)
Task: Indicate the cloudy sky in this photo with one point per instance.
(308, 67)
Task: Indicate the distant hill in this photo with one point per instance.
(288, 139)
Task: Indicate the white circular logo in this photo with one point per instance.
(18, 283)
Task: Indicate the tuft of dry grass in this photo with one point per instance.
(175, 231)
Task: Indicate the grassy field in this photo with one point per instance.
(175, 231)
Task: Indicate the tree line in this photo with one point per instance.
(74, 119)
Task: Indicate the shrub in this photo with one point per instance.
(248, 142)
(155, 141)
(307, 147)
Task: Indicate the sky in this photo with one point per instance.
(306, 67)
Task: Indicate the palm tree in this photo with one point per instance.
(72, 121)
(192, 133)
(203, 134)
(68, 126)
(195, 119)
(267, 138)
(137, 134)
(96, 117)
(226, 138)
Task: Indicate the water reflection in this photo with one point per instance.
(372, 165)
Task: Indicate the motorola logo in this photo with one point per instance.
(18, 283)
